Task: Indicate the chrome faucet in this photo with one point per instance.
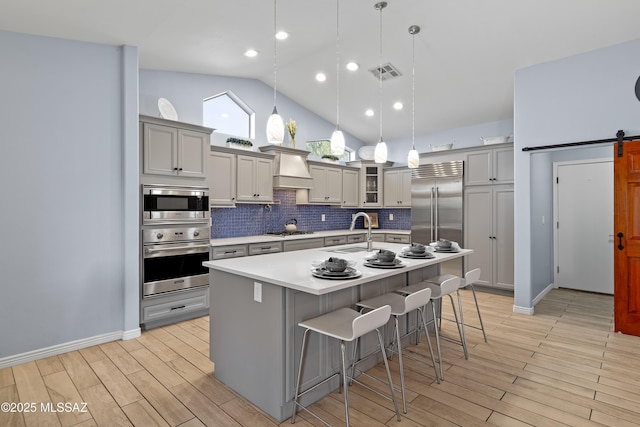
(353, 223)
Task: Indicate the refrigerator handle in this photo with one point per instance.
(433, 225)
(436, 224)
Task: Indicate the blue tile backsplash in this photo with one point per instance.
(256, 219)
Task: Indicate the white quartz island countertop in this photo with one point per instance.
(293, 269)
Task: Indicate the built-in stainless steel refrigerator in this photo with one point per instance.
(437, 208)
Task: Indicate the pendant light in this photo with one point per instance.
(275, 124)
(380, 153)
(337, 138)
(413, 159)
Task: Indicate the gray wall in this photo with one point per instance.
(187, 91)
(64, 270)
(579, 98)
(464, 137)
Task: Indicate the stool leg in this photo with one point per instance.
(478, 310)
(295, 399)
(435, 326)
(386, 365)
(353, 361)
(460, 325)
(344, 380)
(404, 400)
(433, 359)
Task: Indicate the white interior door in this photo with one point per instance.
(583, 216)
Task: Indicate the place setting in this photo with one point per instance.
(383, 259)
(335, 269)
(417, 251)
(445, 246)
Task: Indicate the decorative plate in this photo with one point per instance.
(166, 110)
(325, 274)
(367, 152)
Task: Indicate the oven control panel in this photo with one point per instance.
(177, 234)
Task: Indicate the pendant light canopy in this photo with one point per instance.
(337, 138)
(380, 153)
(413, 159)
(275, 124)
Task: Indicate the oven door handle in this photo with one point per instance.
(176, 248)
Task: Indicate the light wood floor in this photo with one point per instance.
(562, 366)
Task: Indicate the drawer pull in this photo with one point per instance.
(180, 307)
(265, 248)
(230, 252)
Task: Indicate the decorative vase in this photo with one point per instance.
(293, 142)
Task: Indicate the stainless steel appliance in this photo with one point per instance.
(171, 204)
(437, 207)
(173, 257)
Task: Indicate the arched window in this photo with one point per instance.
(227, 114)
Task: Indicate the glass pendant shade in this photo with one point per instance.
(380, 153)
(413, 159)
(275, 128)
(337, 142)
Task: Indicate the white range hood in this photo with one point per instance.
(290, 169)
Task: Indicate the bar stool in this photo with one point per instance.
(344, 325)
(401, 305)
(447, 287)
(470, 278)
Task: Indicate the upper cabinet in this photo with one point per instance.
(489, 166)
(254, 178)
(174, 149)
(371, 182)
(327, 185)
(350, 187)
(221, 178)
(397, 188)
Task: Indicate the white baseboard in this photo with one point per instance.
(54, 350)
(523, 310)
(536, 300)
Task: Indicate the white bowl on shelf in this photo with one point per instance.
(442, 147)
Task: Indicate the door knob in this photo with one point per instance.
(620, 236)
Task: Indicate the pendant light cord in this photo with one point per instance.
(382, 5)
(338, 64)
(413, 91)
(275, 52)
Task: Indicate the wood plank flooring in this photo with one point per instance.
(562, 366)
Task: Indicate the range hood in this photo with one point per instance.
(290, 168)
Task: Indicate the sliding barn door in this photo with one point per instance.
(627, 239)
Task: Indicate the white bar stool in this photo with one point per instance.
(345, 325)
(447, 287)
(401, 305)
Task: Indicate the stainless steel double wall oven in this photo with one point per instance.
(175, 238)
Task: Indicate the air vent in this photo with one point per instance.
(388, 71)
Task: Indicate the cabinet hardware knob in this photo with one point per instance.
(620, 236)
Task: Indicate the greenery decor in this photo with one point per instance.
(330, 157)
(240, 141)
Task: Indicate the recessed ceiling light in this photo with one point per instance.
(281, 35)
(224, 115)
(321, 77)
(398, 105)
(352, 66)
(251, 53)
(369, 112)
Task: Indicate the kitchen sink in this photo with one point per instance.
(349, 250)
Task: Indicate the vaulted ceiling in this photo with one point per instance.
(465, 54)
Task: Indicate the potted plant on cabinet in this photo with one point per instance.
(242, 144)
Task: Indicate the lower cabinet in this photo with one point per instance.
(299, 245)
(336, 240)
(397, 238)
(265, 248)
(489, 231)
(175, 307)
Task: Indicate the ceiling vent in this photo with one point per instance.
(387, 70)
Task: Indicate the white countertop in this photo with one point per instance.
(293, 269)
(271, 238)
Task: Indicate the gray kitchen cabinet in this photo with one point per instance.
(371, 182)
(356, 238)
(350, 187)
(229, 251)
(174, 149)
(335, 240)
(301, 244)
(378, 237)
(265, 248)
(221, 178)
(397, 188)
(178, 306)
(397, 238)
(489, 231)
(254, 179)
(327, 185)
(489, 166)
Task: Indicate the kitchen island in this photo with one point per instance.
(257, 302)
